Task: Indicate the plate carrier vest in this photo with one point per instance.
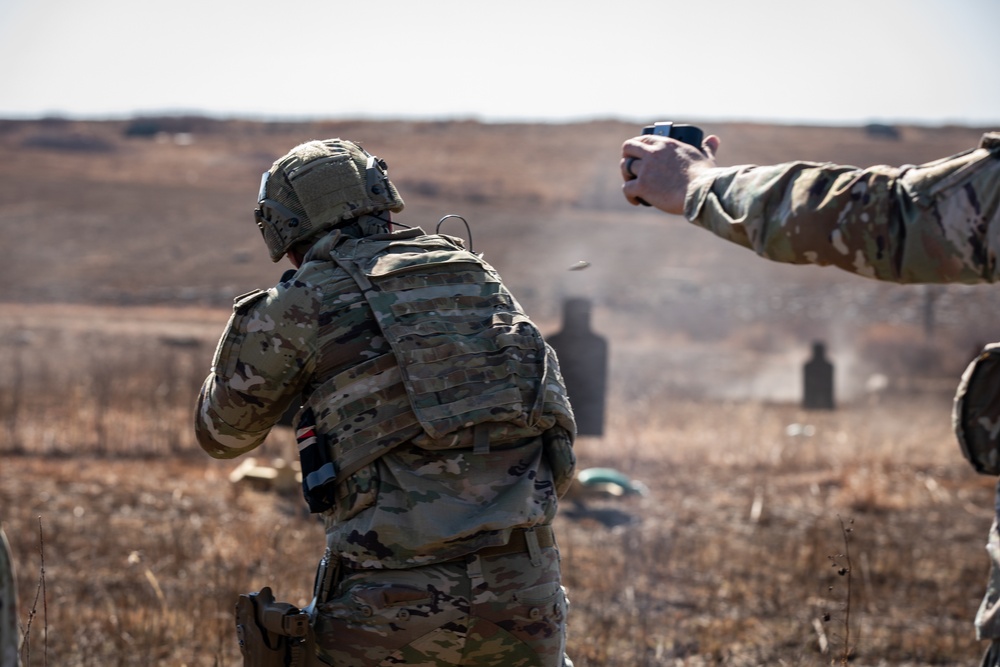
(467, 366)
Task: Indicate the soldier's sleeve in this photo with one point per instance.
(936, 223)
(261, 364)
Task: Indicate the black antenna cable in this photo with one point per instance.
(468, 230)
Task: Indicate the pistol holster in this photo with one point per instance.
(272, 634)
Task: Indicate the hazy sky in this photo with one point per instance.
(839, 61)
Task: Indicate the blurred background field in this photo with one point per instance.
(128, 240)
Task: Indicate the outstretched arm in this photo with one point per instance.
(936, 223)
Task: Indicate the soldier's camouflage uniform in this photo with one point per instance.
(440, 528)
(933, 223)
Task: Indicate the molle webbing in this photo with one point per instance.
(466, 352)
(364, 412)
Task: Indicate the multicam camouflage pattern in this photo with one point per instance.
(936, 223)
(464, 354)
(318, 185)
(504, 610)
(421, 500)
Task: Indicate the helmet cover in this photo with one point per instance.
(976, 411)
(317, 186)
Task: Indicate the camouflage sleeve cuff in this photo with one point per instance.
(700, 191)
(725, 199)
(219, 439)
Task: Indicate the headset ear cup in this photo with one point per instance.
(280, 226)
(376, 178)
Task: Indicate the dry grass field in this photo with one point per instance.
(771, 535)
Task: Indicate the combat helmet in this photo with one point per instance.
(975, 413)
(317, 186)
